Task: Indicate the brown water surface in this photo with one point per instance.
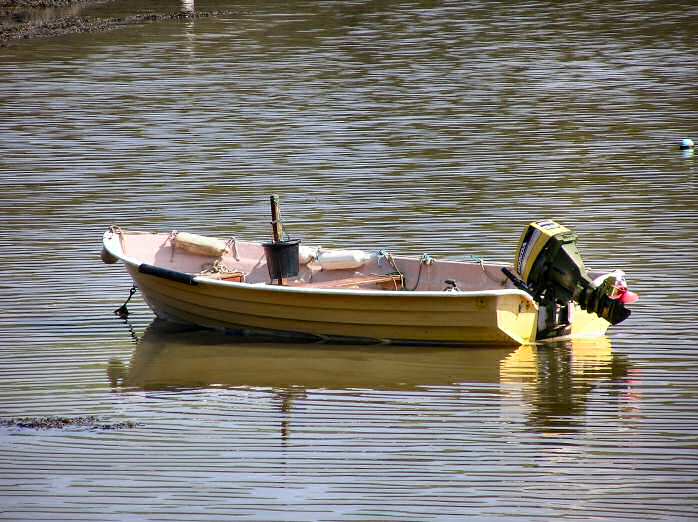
(439, 127)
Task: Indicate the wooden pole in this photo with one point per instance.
(276, 227)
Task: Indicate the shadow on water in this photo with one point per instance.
(554, 382)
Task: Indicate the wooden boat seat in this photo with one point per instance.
(383, 281)
(233, 277)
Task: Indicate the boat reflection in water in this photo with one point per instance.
(553, 382)
(171, 356)
(557, 381)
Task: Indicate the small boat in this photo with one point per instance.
(283, 288)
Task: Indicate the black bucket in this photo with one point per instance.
(282, 258)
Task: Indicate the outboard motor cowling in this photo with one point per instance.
(553, 271)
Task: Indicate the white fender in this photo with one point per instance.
(342, 259)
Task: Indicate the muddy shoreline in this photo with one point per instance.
(42, 4)
(19, 19)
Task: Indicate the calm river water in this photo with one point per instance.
(439, 127)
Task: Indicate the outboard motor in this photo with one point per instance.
(553, 272)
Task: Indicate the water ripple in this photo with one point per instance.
(418, 127)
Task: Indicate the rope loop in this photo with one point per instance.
(477, 259)
(217, 267)
(114, 229)
(172, 238)
(232, 246)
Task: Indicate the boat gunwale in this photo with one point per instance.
(111, 243)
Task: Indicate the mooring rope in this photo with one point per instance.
(122, 311)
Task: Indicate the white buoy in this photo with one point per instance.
(687, 144)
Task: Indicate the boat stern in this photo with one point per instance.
(517, 317)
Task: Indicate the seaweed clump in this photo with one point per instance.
(58, 423)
